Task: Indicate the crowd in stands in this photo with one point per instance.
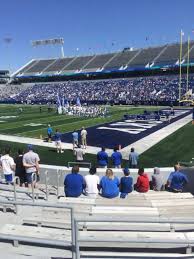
(140, 90)
(110, 186)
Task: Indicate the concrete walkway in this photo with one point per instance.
(141, 145)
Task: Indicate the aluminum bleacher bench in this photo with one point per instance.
(36, 235)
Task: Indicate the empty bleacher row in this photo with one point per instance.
(152, 56)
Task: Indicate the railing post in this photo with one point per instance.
(46, 184)
(34, 178)
(76, 239)
(58, 177)
(72, 233)
(16, 178)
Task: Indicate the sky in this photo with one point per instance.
(88, 26)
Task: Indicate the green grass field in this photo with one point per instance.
(176, 147)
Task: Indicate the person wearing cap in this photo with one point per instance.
(31, 164)
(57, 138)
(92, 183)
(49, 132)
(126, 183)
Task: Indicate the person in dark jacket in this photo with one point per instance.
(20, 169)
(126, 183)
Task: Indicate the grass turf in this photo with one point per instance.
(176, 147)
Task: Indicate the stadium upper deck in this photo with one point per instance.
(123, 61)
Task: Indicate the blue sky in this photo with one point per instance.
(90, 25)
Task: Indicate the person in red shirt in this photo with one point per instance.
(142, 184)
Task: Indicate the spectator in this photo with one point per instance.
(157, 180)
(92, 183)
(142, 184)
(31, 163)
(57, 138)
(116, 158)
(133, 158)
(126, 184)
(79, 153)
(83, 137)
(8, 165)
(177, 180)
(109, 185)
(75, 138)
(49, 132)
(20, 169)
(102, 158)
(74, 183)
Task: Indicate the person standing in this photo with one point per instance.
(142, 184)
(74, 183)
(20, 169)
(49, 133)
(116, 158)
(8, 166)
(133, 158)
(75, 136)
(92, 183)
(176, 180)
(31, 163)
(102, 158)
(83, 137)
(57, 138)
(79, 153)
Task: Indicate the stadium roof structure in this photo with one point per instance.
(132, 60)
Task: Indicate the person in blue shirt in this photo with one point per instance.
(49, 132)
(74, 183)
(133, 158)
(109, 184)
(75, 136)
(57, 138)
(116, 158)
(102, 158)
(176, 180)
(126, 184)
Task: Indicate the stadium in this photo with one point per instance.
(96, 147)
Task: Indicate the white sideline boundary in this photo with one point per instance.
(141, 145)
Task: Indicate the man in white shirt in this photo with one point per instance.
(79, 153)
(83, 137)
(92, 182)
(8, 165)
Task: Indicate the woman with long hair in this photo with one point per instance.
(109, 185)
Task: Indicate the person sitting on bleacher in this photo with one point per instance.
(109, 185)
(142, 184)
(176, 180)
(157, 180)
(92, 183)
(74, 183)
(126, 184)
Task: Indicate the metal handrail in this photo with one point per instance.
(34, 179)
(46, 184)
(77, 220)
(79, 163)
(15, 180)
(49, 205)
(58, 177)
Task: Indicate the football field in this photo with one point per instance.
(32, 122)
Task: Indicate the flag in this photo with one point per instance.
(63, 102)
(182, 33)
(77, 49)
(78, 103)
(58, 100)
(147, 38)
(192, 31)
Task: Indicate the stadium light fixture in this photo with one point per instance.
(55, 41)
